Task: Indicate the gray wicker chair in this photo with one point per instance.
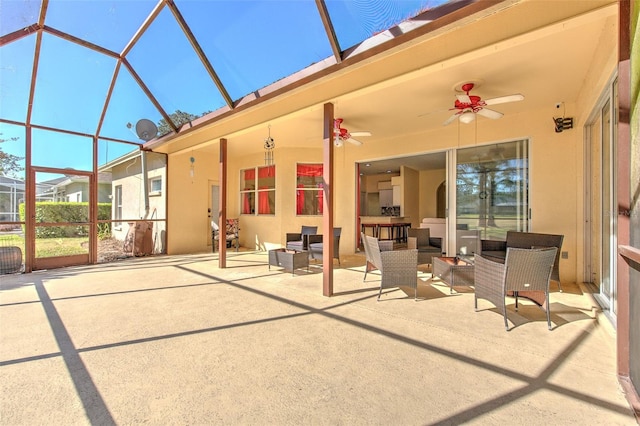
(428, 247)
(526, 270)
(397, 267)
(299, 241)
(382, 245)
(316, 248)
(496, 250)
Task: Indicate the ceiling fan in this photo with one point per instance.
(467, 106)
(341, 134)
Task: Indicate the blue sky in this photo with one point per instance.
(250, 44)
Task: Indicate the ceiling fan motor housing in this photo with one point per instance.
(339, 131)
(475, 104)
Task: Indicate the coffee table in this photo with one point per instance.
(289, 260)
(453, 271)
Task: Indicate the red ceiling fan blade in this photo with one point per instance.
(489, 113)
(504, 99)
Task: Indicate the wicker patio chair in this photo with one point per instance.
(397, 267)
(316, 247)
(428, 247)
(526, 270)
(496, 250)
(383, 246)
(299, 241)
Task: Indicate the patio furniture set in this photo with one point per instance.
(521, 266)
(302, 246)
(529, 263)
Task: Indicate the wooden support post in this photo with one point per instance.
(327, 208)
(222, 214)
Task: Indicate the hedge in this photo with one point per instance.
(53, 211)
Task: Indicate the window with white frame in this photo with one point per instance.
(155, 186)
(309, 189)
(258, 190)
(117, 205)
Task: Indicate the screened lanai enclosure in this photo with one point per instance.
(85, 84)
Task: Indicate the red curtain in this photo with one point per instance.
(264, 172)
(299, 199)
(246, 204)
(263, 201)
(320, 195)
(309, 170)
(249, 176)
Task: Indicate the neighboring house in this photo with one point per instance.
(11, 195)
(129, 202)
(72, 188)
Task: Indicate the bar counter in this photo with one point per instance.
(386, 227)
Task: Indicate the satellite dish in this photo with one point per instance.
(146, 130)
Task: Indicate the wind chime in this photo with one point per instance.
(269, 145)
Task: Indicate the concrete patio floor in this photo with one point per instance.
(175, 340)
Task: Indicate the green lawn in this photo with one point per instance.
(49, 247)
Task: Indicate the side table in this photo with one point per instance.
(289, 260)
(453, 271)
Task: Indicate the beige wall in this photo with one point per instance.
(410, 208)
(188, 223)
(430, 180)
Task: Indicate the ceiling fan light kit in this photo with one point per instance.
(467, 117)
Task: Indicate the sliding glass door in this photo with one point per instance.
(600, 201)
(491, 194)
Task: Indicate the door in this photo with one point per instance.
(491, 192)
(61, 230)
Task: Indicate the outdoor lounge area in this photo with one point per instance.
(187, 187)
(162, 341)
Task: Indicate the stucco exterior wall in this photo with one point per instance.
(129, 176)
(189, 199)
